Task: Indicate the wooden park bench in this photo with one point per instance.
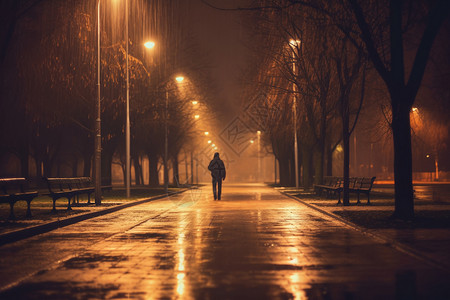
(16, 189)
(331, 185)
(69, 188)
(363, 185)
(335, 186)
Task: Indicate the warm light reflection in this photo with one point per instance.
(149, 44)
(213, 145)
(180, 283)
(252, 141)
(180, 260)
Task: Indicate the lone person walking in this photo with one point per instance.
(217, 168)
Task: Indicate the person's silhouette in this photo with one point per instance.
(218, 173)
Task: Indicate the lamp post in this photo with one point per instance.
(259, 154)
(127, 124)
(295, 43)
(179, 79)
(98, 124)
(166, 145)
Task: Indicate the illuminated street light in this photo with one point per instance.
(209, 142)
(179, 79)
(127, 124)
(98, 125)
(259, 154)
(194, 102)
(197, 117)
(252, 141)
(206, 132)
(149, 44)
(294, 44)
(213, 145)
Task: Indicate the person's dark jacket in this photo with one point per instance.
(217, 168)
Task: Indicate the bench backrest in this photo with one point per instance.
(12, 185)
(366, 182)
(67, 184)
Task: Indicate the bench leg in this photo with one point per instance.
(89, 198)
(11, 211)
(68, 203)
(54, 205)
(28, 215)
(339, 199)
(368, 198)
(359, 201)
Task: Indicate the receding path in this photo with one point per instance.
(254, 244)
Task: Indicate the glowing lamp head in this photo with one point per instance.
(194, 102)
(196, 117)
(179, 78)
(206, 133)
(209, 142)
(252, 141)
(294, 43)
(149, 45)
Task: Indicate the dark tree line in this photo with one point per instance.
(341, 41)
(48, 86)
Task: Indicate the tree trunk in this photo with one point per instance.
(106, 168)
(176, 176)
(401, 130)
(306, 163)
(153, 170)
(137, 175)
(284, 171)
(329, 160)
(346, 146)
(87, 165)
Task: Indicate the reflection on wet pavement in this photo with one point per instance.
(254, 244)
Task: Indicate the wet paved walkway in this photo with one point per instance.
(254, 244)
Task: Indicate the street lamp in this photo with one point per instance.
(127, 124)
(179, 79)
(293, 44)
(149, 44)
(98, 124)
(259, 153)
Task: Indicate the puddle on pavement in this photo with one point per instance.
(142, 236)
(91, 261)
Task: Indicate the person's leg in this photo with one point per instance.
(214, 182)
(219, 182)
